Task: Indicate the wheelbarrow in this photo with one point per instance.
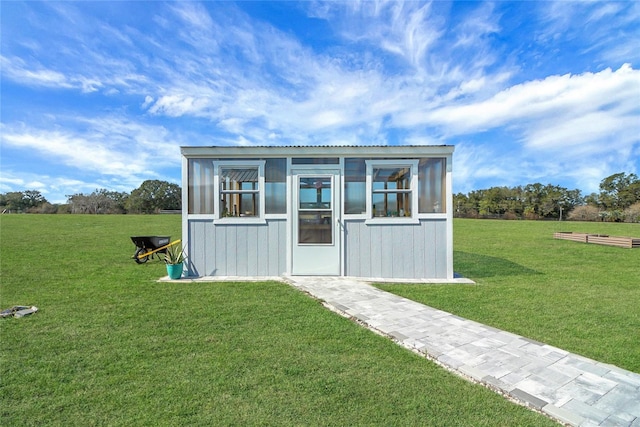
(148, 246)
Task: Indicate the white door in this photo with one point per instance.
(316, 222)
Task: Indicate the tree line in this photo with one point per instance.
(618, 200)
(152, 196)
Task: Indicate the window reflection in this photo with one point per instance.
(391, 188)
(200, 186)
(355, 186)
(315, 214)
(239, 192)
(275, 186)
(431, 181)
(315, 193)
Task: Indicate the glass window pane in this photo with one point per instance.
(315, 193)
(391, 204)
(275, 186)
(239, 204)
(315, 227)
(391, 178)
(355, 188)
(200, 186)
(431, 184)
(238, 179)
(239, 191)
(275, 194)
(315, 160)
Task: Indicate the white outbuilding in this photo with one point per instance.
(359, 211)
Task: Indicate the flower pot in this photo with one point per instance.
(174, 271)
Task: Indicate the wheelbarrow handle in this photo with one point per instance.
(144, 255)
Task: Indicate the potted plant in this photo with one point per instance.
(174, 258)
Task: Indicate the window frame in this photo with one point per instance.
(249, 164)
(190, 179)
(412, 164)
(426, 186)
(333, 208)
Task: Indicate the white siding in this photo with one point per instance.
(409, 251)
(236, 249)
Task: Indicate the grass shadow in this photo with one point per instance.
(478, 266)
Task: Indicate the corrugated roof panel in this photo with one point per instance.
(240, 175)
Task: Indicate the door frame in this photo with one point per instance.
(336, 248)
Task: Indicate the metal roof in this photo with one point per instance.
(390, 151)
(240, 174)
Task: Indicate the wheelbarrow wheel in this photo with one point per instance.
(138, 258)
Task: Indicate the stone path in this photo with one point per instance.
(567, 387)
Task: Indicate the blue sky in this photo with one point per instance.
(103, 94)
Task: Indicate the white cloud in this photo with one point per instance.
(9, 182)
(589, 134)
(604, 30)
(16, 69)
(480, 23)
(179, 105)
(54, 188)
(578, 127)
(195, 15)
(76, 151)
(560, 97)
(107, 146)
(148, 100)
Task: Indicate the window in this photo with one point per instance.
(315, 161)
(200, 186)
(240, 189)
(432, 182)
(355, 186)
(239, 192)
(275, 171)
(391, 188)
(237, 188)
(315, 210)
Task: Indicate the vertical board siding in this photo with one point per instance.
(410, 251)
(419, 252)
(196, 260)
(275, 245)
(236, 249)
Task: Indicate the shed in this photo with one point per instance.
(358, 211)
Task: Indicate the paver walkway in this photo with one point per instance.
(567, 387)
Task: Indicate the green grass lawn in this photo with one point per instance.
(111, 346)
(582, 298)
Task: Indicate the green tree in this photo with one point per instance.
(462, 206)
(100, 201)
(153, 196)
(33, 198)
(533, 196)
(619, 191)
(21, 201)
(592, 199)
(549, 201)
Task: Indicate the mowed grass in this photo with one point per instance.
(111, 346)
(582, 298)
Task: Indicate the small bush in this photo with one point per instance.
(584, 213)
(510, 215)
(632, 213)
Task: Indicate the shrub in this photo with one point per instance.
(584, 213)
(632, 213)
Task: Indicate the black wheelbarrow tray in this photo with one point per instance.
(148, 246)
